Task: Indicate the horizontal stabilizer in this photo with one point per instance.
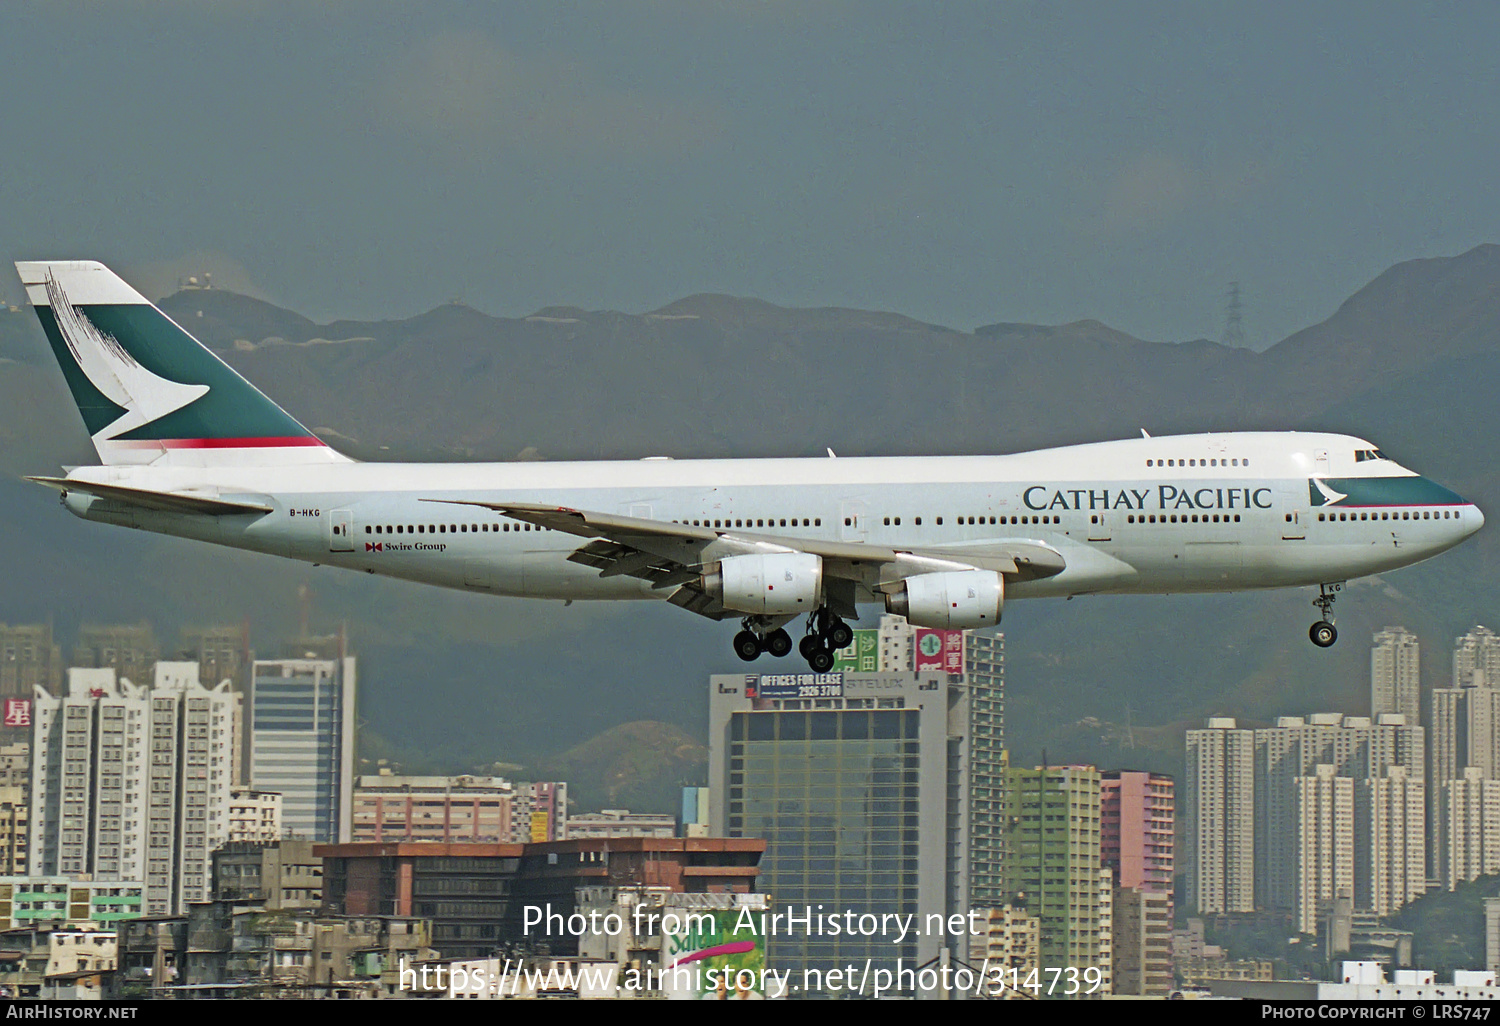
(161, 502)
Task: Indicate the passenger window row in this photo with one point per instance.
(1199, 463)
(449, 528)
(1426, 514)
(754, 522)
(1184, 518)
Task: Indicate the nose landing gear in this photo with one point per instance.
(1324, 633)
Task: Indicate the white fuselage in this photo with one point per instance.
(1211, 512)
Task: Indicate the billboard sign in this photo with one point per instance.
(796, 685)
(18, 712)
(861, 656)
(712, 955)
(939, 651)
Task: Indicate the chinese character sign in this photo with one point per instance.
(953, 651)
(18, 712)
(940, 651)
(862, 654)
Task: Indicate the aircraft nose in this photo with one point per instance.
(1475, 519)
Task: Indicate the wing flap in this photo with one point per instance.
(160, 502)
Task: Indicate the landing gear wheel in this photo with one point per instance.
(808, 645)
(746, 645)
(1324, 633)
(840, 634)
(778, 642)
(820, 660)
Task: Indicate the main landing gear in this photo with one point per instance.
(826, 634)
(1324, 633)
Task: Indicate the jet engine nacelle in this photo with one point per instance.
(957, 600)
(771, 584)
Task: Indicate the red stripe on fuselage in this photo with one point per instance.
(220, 443)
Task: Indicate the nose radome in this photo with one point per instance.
(1476, 521)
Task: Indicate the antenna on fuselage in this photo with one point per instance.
(1145, 433)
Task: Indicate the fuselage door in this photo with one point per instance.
(1099, 526)
(852, 528)
(340, 530)
(1293, 528)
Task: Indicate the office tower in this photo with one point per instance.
(132, 783)
(1322, 843)
(1052, 857)
(1219, 802)
(1477, 650)
(1468, 827)
(1137, 829)
(28, 658)
(1390, 851)
(302, 740)
(1396, 674)
(859, 793)
(1354, 747)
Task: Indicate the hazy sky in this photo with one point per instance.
(961, 162)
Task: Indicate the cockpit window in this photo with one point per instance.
(1360, 455)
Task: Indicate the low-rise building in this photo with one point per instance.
(621, 823)
(52, 901)
(282, 875)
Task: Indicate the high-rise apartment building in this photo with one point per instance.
(132, 783)
(254, 816)
(1322, 844)
(1219, 802)
(1137, 829)
(128, 649)
(984, 675)
(15, 830)
(223, 653)
(1465, 729)
(1396, 674)
(302, 740)
(858, 784)
(1390, 850)
(1468, 827)
(1356, 749)
(1142, 931)
(28, 659)
(1053, 857)
(1477, 650)
(980, 668)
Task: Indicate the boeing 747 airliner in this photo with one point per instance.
(189, 448)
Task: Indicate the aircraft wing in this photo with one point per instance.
(161, 502)
(674, 555)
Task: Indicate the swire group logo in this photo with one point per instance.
(374, 547)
